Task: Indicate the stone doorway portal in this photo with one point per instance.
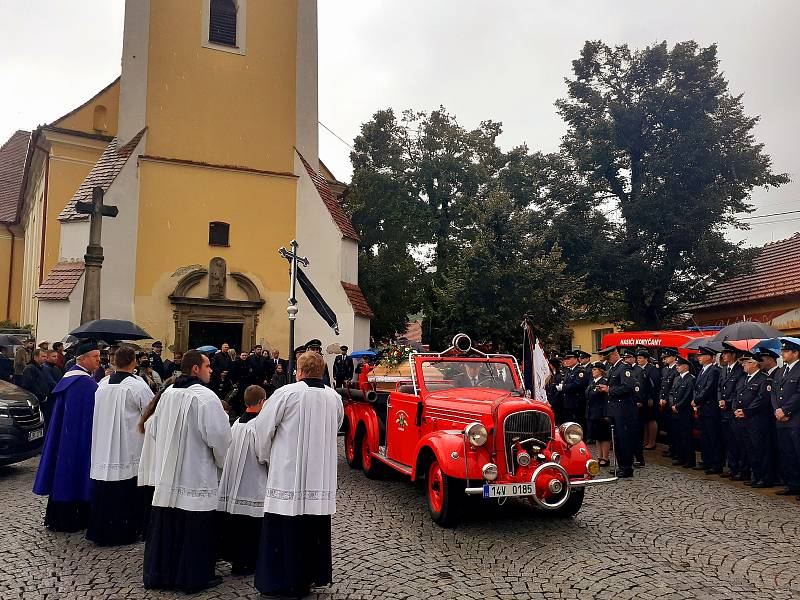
(214, 313)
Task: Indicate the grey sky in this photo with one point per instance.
(502, 60)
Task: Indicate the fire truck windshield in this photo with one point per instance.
(465, 374)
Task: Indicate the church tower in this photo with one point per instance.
(214, 167)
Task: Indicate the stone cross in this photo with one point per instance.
(90, 310)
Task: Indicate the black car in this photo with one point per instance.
(21, 424)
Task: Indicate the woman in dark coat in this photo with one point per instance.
(596, 403)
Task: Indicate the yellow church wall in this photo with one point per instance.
(90, 119)
(69, 166)
(176, 205)
(11, 236)
(587, 334)
(218, 107)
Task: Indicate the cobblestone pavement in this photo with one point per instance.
(664, 534)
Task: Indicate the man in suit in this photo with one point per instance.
(470, 377)
(573, 387)
(707, 405)
(731, 376)
(343, 367)
(668, 358)
(786, 407)
(622, 388)
(752, 411)
(681, 395)
(649, 395)
(275, 360)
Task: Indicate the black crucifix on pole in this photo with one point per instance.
(293, 258)
(94, 253)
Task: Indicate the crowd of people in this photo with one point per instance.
(743, 407)
(149, 452)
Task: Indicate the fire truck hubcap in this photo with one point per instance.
(366, 456)
(435, 491)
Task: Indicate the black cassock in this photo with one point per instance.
(295, 554)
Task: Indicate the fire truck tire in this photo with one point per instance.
(371, 466)
(352, 453)
(571, 506)
(445, 495)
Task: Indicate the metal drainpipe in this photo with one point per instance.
(44, 211)
(10, 270)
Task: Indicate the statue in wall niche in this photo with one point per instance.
(217, 275)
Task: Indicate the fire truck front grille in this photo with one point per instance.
(523, 425)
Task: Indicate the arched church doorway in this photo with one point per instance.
(213, 318)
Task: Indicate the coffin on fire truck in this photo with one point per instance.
(462, 424)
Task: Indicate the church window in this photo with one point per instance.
(222, 22)
(218, 233)
(224, 25)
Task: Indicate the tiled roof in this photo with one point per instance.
(102, 174)
(775, 272)
(357, 300)
(12, 169)
(337, 212)
(60, 282)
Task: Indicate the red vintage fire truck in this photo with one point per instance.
(463, 425)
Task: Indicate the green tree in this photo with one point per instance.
(503, 273)
(422, 185)
(658, 140)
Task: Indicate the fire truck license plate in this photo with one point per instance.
(35, 435)
(507, 490)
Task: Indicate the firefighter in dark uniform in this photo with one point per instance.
(768, 360)
(649, 394)
(730, 377)
(681, 395)
(786, 407)
(707, 405)
(752, 411)
(629, 356)
(573, 388)
(668, 358)
(622, 388)
(584, 360)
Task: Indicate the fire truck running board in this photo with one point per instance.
(404, 469)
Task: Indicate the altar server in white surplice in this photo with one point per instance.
(242, 489)
(296, 434)
(191, 434)
(117, 506)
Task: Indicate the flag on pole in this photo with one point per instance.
(535, 367)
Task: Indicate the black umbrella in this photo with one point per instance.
(317, 301)
(746, 330)
(706, 342)
(10, 340)
(110, 330)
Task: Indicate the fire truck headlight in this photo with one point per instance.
(592, 467)
(489, 471)
(572, 433)
(476, 434)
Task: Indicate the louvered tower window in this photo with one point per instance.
(222, 22)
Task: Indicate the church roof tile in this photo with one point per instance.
(357, 300)
(12, 170)
(102, 175)
(61, 280)
(334, 208)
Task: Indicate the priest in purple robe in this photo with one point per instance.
(63, 473)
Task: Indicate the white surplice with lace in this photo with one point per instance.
(190, 434)
(116, 441)
(296, 434)
(244, 477)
